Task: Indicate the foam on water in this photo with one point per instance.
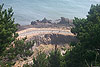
(26, 11)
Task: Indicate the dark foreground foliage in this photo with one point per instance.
(20, 50)
(7, 28)
(88, 32)
(11, 49)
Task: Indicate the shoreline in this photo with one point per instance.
(63, 22)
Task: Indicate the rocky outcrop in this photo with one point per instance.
(33, 22)
(65, 21)
(54, 39)
(45, 21)
(58, 23)
(42, 21)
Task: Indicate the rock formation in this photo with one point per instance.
(45, 21)
(42, 21)
(33, 22)
(64, 21)
(54, 39)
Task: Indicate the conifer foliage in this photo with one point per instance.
(88, 32)
(7, 28)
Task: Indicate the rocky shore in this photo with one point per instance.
(45, 23)
(47, 34)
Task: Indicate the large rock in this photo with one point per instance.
(45, 21)
(64, 20)
(33, 22)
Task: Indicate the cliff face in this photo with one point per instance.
(54, 39)
(46, 34)
(46, 43)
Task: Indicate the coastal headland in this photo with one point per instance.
(47, 34)
(43, 27)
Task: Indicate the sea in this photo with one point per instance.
(26, 11)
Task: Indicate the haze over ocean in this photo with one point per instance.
(26, 11)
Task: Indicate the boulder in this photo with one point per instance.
(64, 20)
(33, 22)
(46, 21)
(37, 21)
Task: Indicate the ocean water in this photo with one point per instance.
(26, 11)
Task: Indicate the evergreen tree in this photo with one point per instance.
(40, 60)
(7, 28)
(74, 57)
(86, 53)
(88, 29)
(54, 58)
